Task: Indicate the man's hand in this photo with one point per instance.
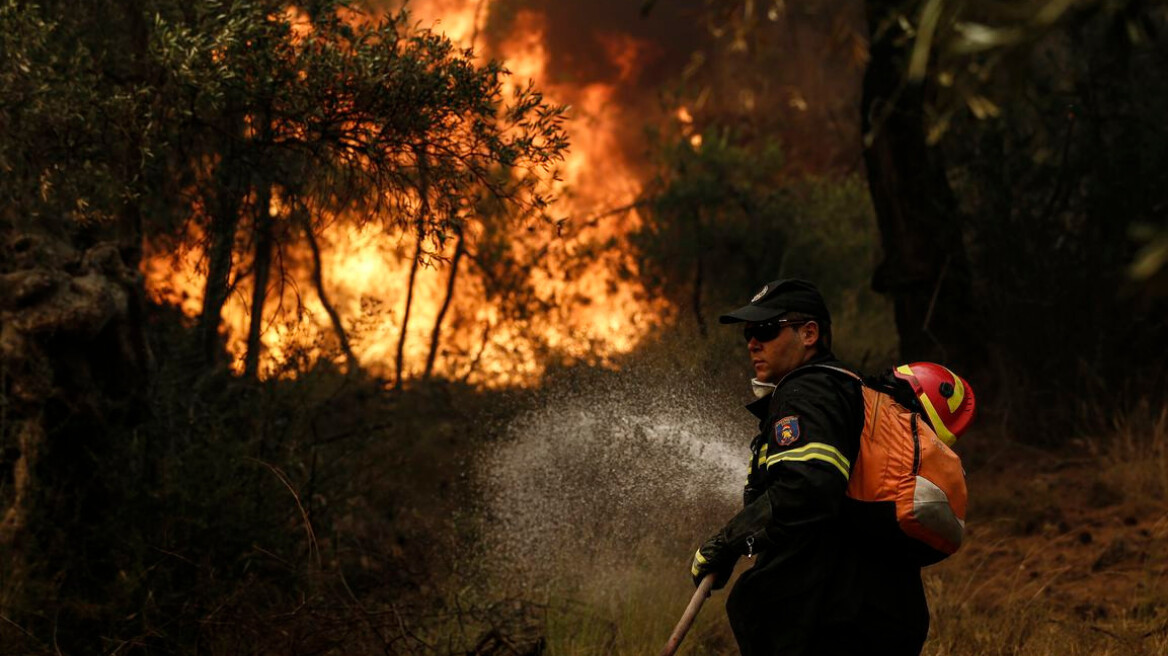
(714, 557)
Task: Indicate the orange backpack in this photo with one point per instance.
(902, 462)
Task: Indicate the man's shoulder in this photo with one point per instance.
(827, 372)
(826, 401)
(823, 383)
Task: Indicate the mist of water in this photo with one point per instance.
(599, 477)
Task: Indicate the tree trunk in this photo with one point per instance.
(264, 242)
(925, 269)
(423, 215)
(220, 245)
(318, 281)
(436, 333)
(401, 340)
(261, 273)
(474, 363)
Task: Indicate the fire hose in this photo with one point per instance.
(687, 618)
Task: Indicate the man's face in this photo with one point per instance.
(777, 357)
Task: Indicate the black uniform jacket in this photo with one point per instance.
(822, 585)
(801, 585)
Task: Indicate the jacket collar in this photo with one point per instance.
(760, 407)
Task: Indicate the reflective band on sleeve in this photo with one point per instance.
(762, 455)
(814, 451)
(698, 561)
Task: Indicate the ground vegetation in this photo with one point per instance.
(157, 500)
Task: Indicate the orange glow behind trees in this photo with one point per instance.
(502, 266)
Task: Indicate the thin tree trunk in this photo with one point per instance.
(334, 317)
(401, 340)
(474, 363)
(221, 244)
(925, 269)
(261, 273)
(423, 214)
(436, 333)
(264, 244)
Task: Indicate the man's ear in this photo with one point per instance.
(810, 333)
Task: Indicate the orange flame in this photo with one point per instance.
(594, 313)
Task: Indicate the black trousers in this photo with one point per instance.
(869, 611)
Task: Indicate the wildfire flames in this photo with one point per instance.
(597, 307)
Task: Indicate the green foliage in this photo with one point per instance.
(725, 217)
(977, 54)
(1053, 191)
(347, 104)
(251, 120)
(1042, 72)
(710, 207)
(348, 116)
(76, 138)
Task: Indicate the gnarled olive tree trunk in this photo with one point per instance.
(925, 269)
(73, 364)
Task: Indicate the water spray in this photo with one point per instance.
(608, 474)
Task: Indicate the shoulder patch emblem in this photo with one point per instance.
(787, 431)
(762, 292)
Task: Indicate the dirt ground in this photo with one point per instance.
(1061, 549)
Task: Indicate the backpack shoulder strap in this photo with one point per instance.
(827, 367)
(839, 370)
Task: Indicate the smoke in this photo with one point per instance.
(582, 38)
(605, 59)
(796, 74)
(603, 477)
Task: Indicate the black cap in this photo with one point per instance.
(779, 297)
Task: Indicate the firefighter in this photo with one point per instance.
(819, 586)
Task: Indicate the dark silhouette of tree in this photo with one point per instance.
(448, 296)
(925, 269)
(1030, 130)
(1014, 165)
(351, 118)
(246, 127)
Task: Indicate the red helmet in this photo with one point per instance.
(945, 396)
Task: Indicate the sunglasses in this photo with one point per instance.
(765, 332)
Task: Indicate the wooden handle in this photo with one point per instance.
(687, 618)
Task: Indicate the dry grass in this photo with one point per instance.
(1066, 556)
(1067, 553)
(1136, 454)
(632, 613)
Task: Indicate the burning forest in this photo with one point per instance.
(392, 327)
(489, 293)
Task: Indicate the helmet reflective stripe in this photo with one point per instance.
(939, 426)
(943, 431)
(958, 391)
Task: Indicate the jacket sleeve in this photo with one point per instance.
(812, 441)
